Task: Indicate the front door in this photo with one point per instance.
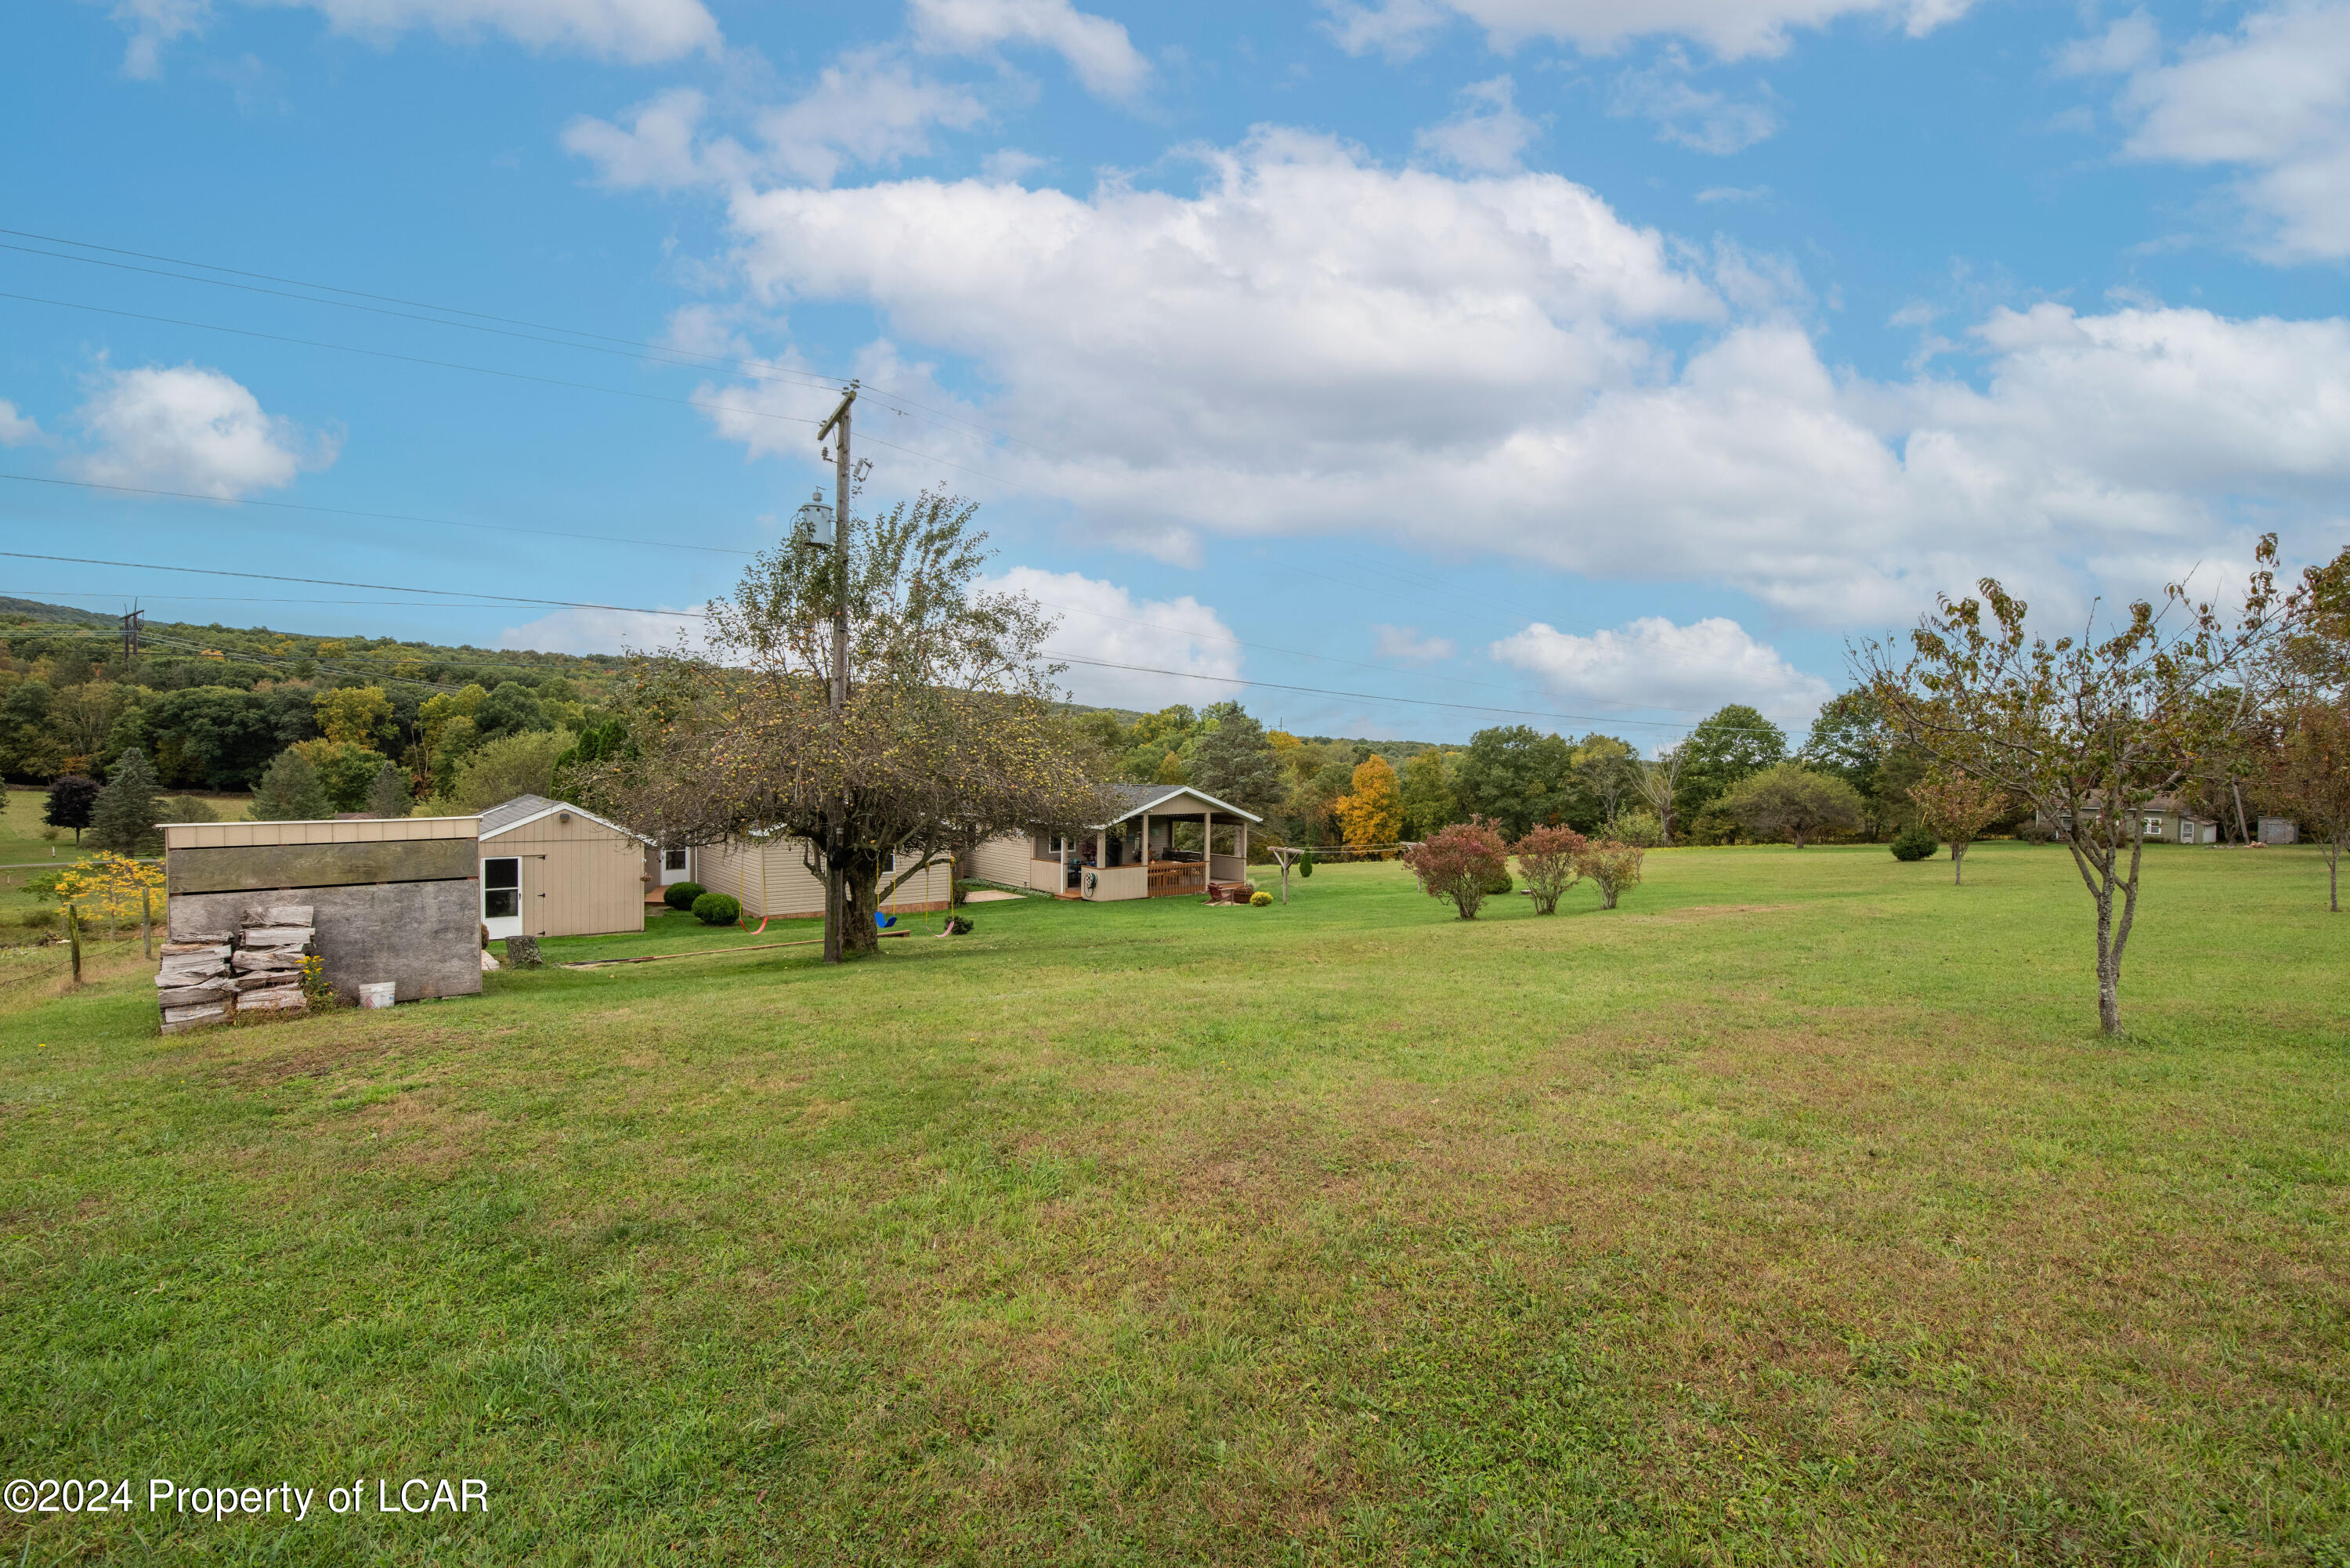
(501, 896)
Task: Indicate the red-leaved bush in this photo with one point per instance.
(1548, 858)
(1457, 862)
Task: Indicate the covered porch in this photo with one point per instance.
(1170, 841)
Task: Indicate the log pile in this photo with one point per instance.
(210, 977)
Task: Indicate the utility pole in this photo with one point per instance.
(130, 620)
(835, 893)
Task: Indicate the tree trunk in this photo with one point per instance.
(1957, 864)
(1799, 838)
(2109, 976)
(2334, 877)
(860, 899)
(1607, 897)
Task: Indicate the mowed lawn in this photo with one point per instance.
(1793, 1213)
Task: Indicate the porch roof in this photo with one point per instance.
(1136, 799)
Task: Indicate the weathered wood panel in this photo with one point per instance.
(268, 866)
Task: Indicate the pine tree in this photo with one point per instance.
(290, 792)
(388, 796)
(124, 817)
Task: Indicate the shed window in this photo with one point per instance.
(501, 889)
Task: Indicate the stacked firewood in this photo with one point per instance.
(215, 977)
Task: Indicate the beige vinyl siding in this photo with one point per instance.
(1004, 858)
(579, 877)
(365, 830)
(770, 878)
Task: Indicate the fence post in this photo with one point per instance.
(146, 922)
(73, 935)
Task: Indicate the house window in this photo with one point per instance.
(2152, 826)
(501, 889)
(672, 859)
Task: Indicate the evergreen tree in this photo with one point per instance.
(70, 800)
(124, 815)
(388, 796)
(291, 791)
(1234, 762)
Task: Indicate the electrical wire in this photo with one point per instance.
(340, 583)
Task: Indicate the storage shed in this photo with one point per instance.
(394, 898)
(550, 870)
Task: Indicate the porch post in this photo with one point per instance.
(1207, 851)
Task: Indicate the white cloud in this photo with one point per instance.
(153, 24)
(2271, 98)
(1009, 165)
(605, 631)
(1100, 620)
(1096, 48)
(1405, 645)
(1731, 29)
(640, 32)
(16, 428)
(1488, 133)
(868, 108)
(1653, 663)
(1313, 344)
(1735, 193)
(1688, 115)
(183, 427)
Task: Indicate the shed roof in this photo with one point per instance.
(510, 814)
(1133, 800)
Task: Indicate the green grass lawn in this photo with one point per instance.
(25, 854)
(1793, 1213)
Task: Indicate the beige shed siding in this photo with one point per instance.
(783, 886)
(367, 830)
(579, 877)
(1004, 858)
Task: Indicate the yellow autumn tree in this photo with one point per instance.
(352, 715)
(1372, 811)
(108, 885)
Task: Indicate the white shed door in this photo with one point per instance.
(501, 896)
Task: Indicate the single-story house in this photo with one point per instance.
(2164, 819)
(1132, 856)
(769, 877)
(550, 870)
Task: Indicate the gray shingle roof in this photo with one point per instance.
(1129, 798)
(508, 812)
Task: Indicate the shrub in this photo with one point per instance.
(1260, 900)
(1792, 802)
(1612, 867)
(1547, 860)
(717, 910)
(681, 894)
(1461, 863)
(37, 919)
(1305, 864)
(2035, 832)
(1499, 883)
(1915, 844)
(958, 925)
(1640, 827)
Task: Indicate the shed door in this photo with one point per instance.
(501, 896)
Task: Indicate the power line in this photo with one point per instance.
(1369, 697)
(339, 583)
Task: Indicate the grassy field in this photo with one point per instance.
(1793, 1213)
(24, 853)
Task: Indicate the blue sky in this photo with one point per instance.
(1609, 359)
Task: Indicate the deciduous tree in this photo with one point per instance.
(949, 735)
(1458, 862)
(355, 715)
(1371, 812)
(2083, 729)
(1956, 808)
(70, 800)
(1789, 801)
(1515, 775)
(1234, 762)
(2307, 772)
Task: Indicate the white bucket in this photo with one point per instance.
(377, 994)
